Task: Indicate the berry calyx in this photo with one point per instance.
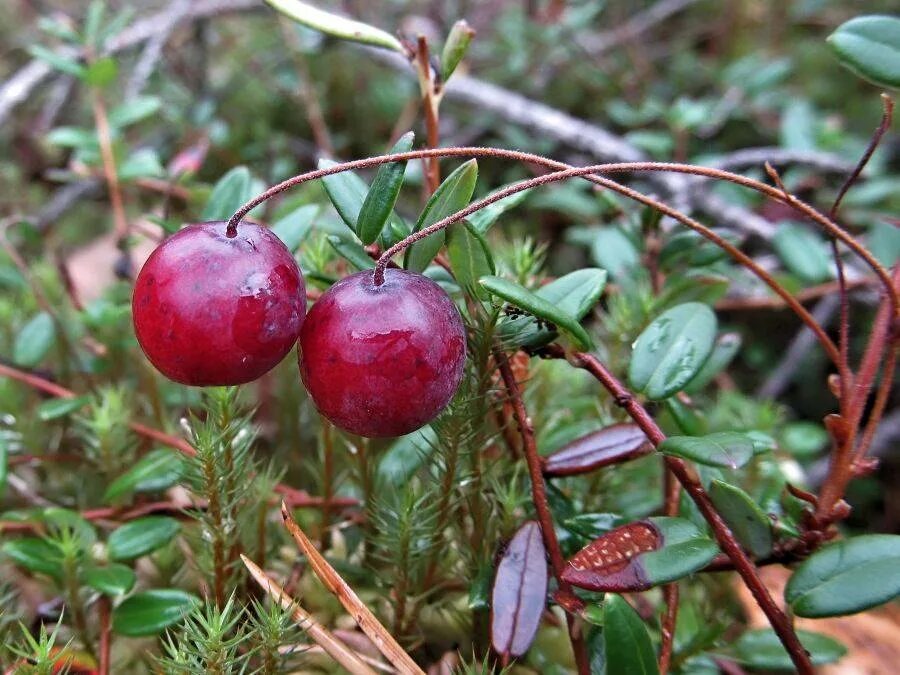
(212, 309)
(382, 360)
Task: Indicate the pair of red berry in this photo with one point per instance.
(377, 360)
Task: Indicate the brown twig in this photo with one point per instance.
(103, 610)
(541, 505)
(691, 483)
(431, 102)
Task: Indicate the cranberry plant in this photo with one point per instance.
(490, 455)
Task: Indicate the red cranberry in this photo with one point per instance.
(382, 360)
(210, 309)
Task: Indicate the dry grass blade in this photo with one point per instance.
(337, 649)
(385, 642)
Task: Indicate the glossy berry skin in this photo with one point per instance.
(382, 360)
(210, 309)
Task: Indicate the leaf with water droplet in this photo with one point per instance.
(729, 449)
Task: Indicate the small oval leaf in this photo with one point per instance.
(141, 536)
(615, 252)
(34, 340)
(640, 555)
(724, 351)
(747, 521)
(379, 203)
(870, 47)
(728, 449)
(151, 612)
(229, 194)
(627, 643)
(803, 252)
(114, 579)
(336, 25)
(470, 257)
(763, 649)
(36, 555)
(157, 470)
(611, 445)
(452, 195)
(847, 577)
(520, 592)
(672, 349)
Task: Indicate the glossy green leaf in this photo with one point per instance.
(34, 340)
(803, 252)
(294, 227)
(534, 304)
(482, 219)
(470, 257)
(140, 537)
(453, 194)
(336, 25)
(725, 349)
(672, 349)
(455, 47)
(689, 420)
(352, 251)
(870, 47)
(113, 579)
(615, 252)
(36, 555)
(762, 649)
(379, 202)
(151, 612)
(626, 641)
(729, 449)
(155, 471)
(685, 549)
(750, 524)
(347, 192)
(846, 577)
(60, 407)
(231, 192)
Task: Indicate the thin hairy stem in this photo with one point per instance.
(541, 505)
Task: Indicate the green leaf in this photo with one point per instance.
(762, 649)
(750, 525)
(229, 194)
(336, 25)
(482, 219)
(884, 242)
(141, 536)
(803, 252)
(114, 579)
(846, 577)
(804, 439)
(453, 194)
(470, 257)
(36, 555)
(347, 192)
(34, 340)
(728, 449)
(143, 163)
(155, 471)
(870, 47)
(66, 519)
(614, 252)
(534, 304)
(64, 64)
(723, 353)
(455, 47)
(134, 111)
(293, 228)
(102, 72)
(73, 137)
(151, 612)
(626, 640)
(381, 197)
(352, 251)
(672, 349)
(60, 407)
(685, 549)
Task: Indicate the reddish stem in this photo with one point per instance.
(541, 505)
(103, 609)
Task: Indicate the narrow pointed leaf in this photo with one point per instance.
(846, 577)
(870, 47)
(640, 555)
(762, 649)
(611, 445)
(352, 251)
(141, 536)
(347, 192)
(615, 252)
(157, 470)
(470, 257)
(534, 304)
(293, 228)
(151, 612)
(114, 579)
(747, 521)
(336, 25)
(672, 349)
(627, 643)
(728, 449)
(60, 407)
(379, 202)
(723, 353)
(453, 194)
(231, 192)
(520, 592)
(36, 555)
(455, 48)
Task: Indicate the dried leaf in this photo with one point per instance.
(610, 445)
